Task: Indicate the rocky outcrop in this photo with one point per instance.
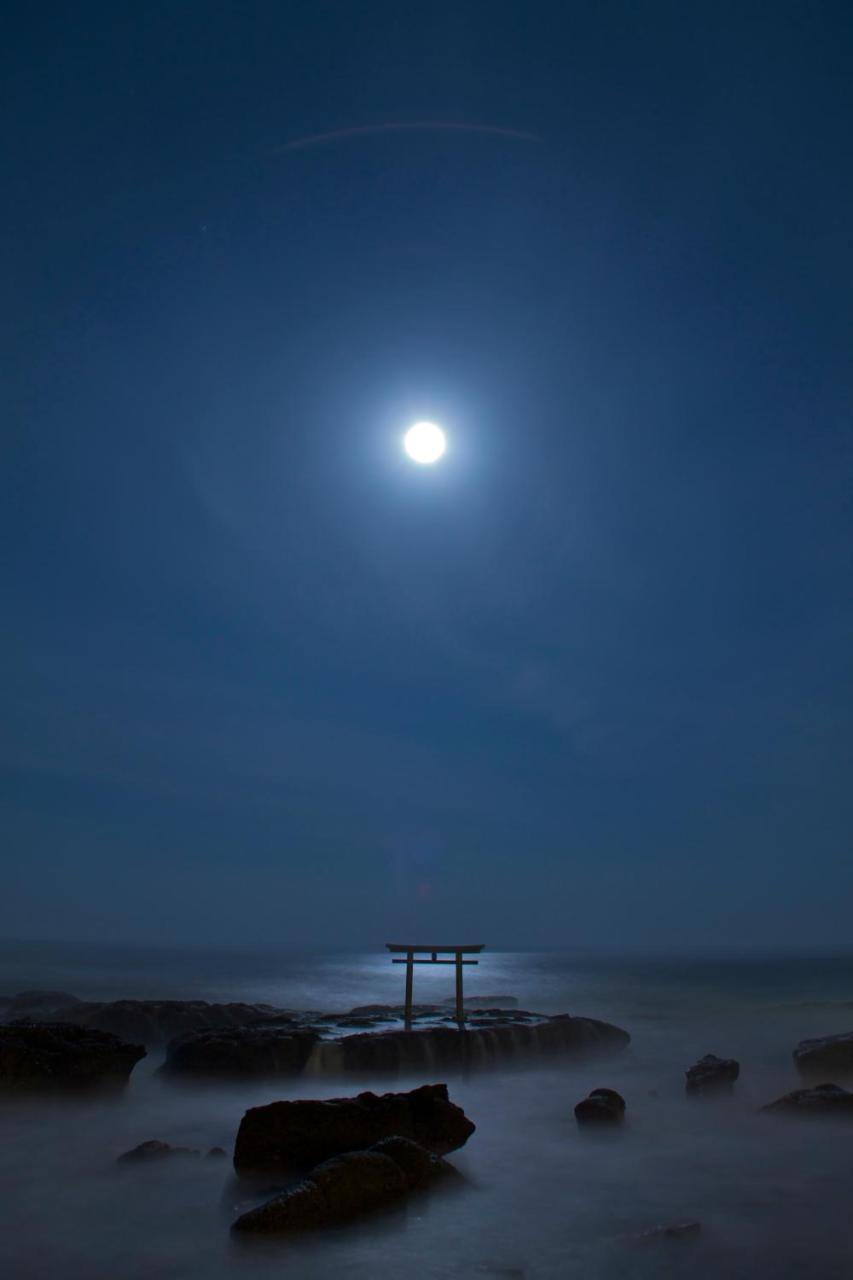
(822, 1100)
(441, 1048)
(712, 1075)
(56, 1055)
(345, 1187)
(828, 1055)
(153, 1022)
(241, 1052)
(278, 1048)
(286, 1137)
(35, 1004)
(601, 1107)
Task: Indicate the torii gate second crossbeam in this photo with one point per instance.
(432, 953)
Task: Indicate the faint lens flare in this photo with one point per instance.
(415, 126)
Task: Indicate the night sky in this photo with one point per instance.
(586, 681)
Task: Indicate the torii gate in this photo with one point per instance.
(433, 953)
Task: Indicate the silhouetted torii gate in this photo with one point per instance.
(411, 951)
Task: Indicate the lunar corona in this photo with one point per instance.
(424, 442)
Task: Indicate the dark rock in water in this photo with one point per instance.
(216, 1153)
(156, 1021)
(56, 1055)
(822, 1100)
(342, 1188)
(712, 1074)
(601, 1107)
(826, 1054)
(154, 1150)
(677, 1231)
(27, 1004)
(289, 1136)
(241, 1051)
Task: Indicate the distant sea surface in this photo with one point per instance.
(773, 1196)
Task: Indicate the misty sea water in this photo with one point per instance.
(542, 1199)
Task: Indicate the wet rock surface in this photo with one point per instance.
(825, 1055)
(288, 1137)
(59, 1056)
(712, 1074)
(601, 1107)
(345, 1187)
(821, 1100)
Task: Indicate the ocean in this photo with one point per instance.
(541, 1199)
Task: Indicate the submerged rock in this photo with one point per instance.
(56, 1055)
(284, 1137)
(344, 1187)
(712, 1074)
(153, 1149)
(823, 1099)
(241, 1051)
(825, 1054)
(601, 1107)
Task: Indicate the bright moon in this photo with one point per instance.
(424, 442)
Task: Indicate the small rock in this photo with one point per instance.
(602, 1106)
(154, 1150)
(823, 1099)
(677, 1231)
(216, 1153)
(712, 1074)
(825, 1054)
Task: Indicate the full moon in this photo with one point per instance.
(424, 442)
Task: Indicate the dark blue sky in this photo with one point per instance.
(586, 681)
